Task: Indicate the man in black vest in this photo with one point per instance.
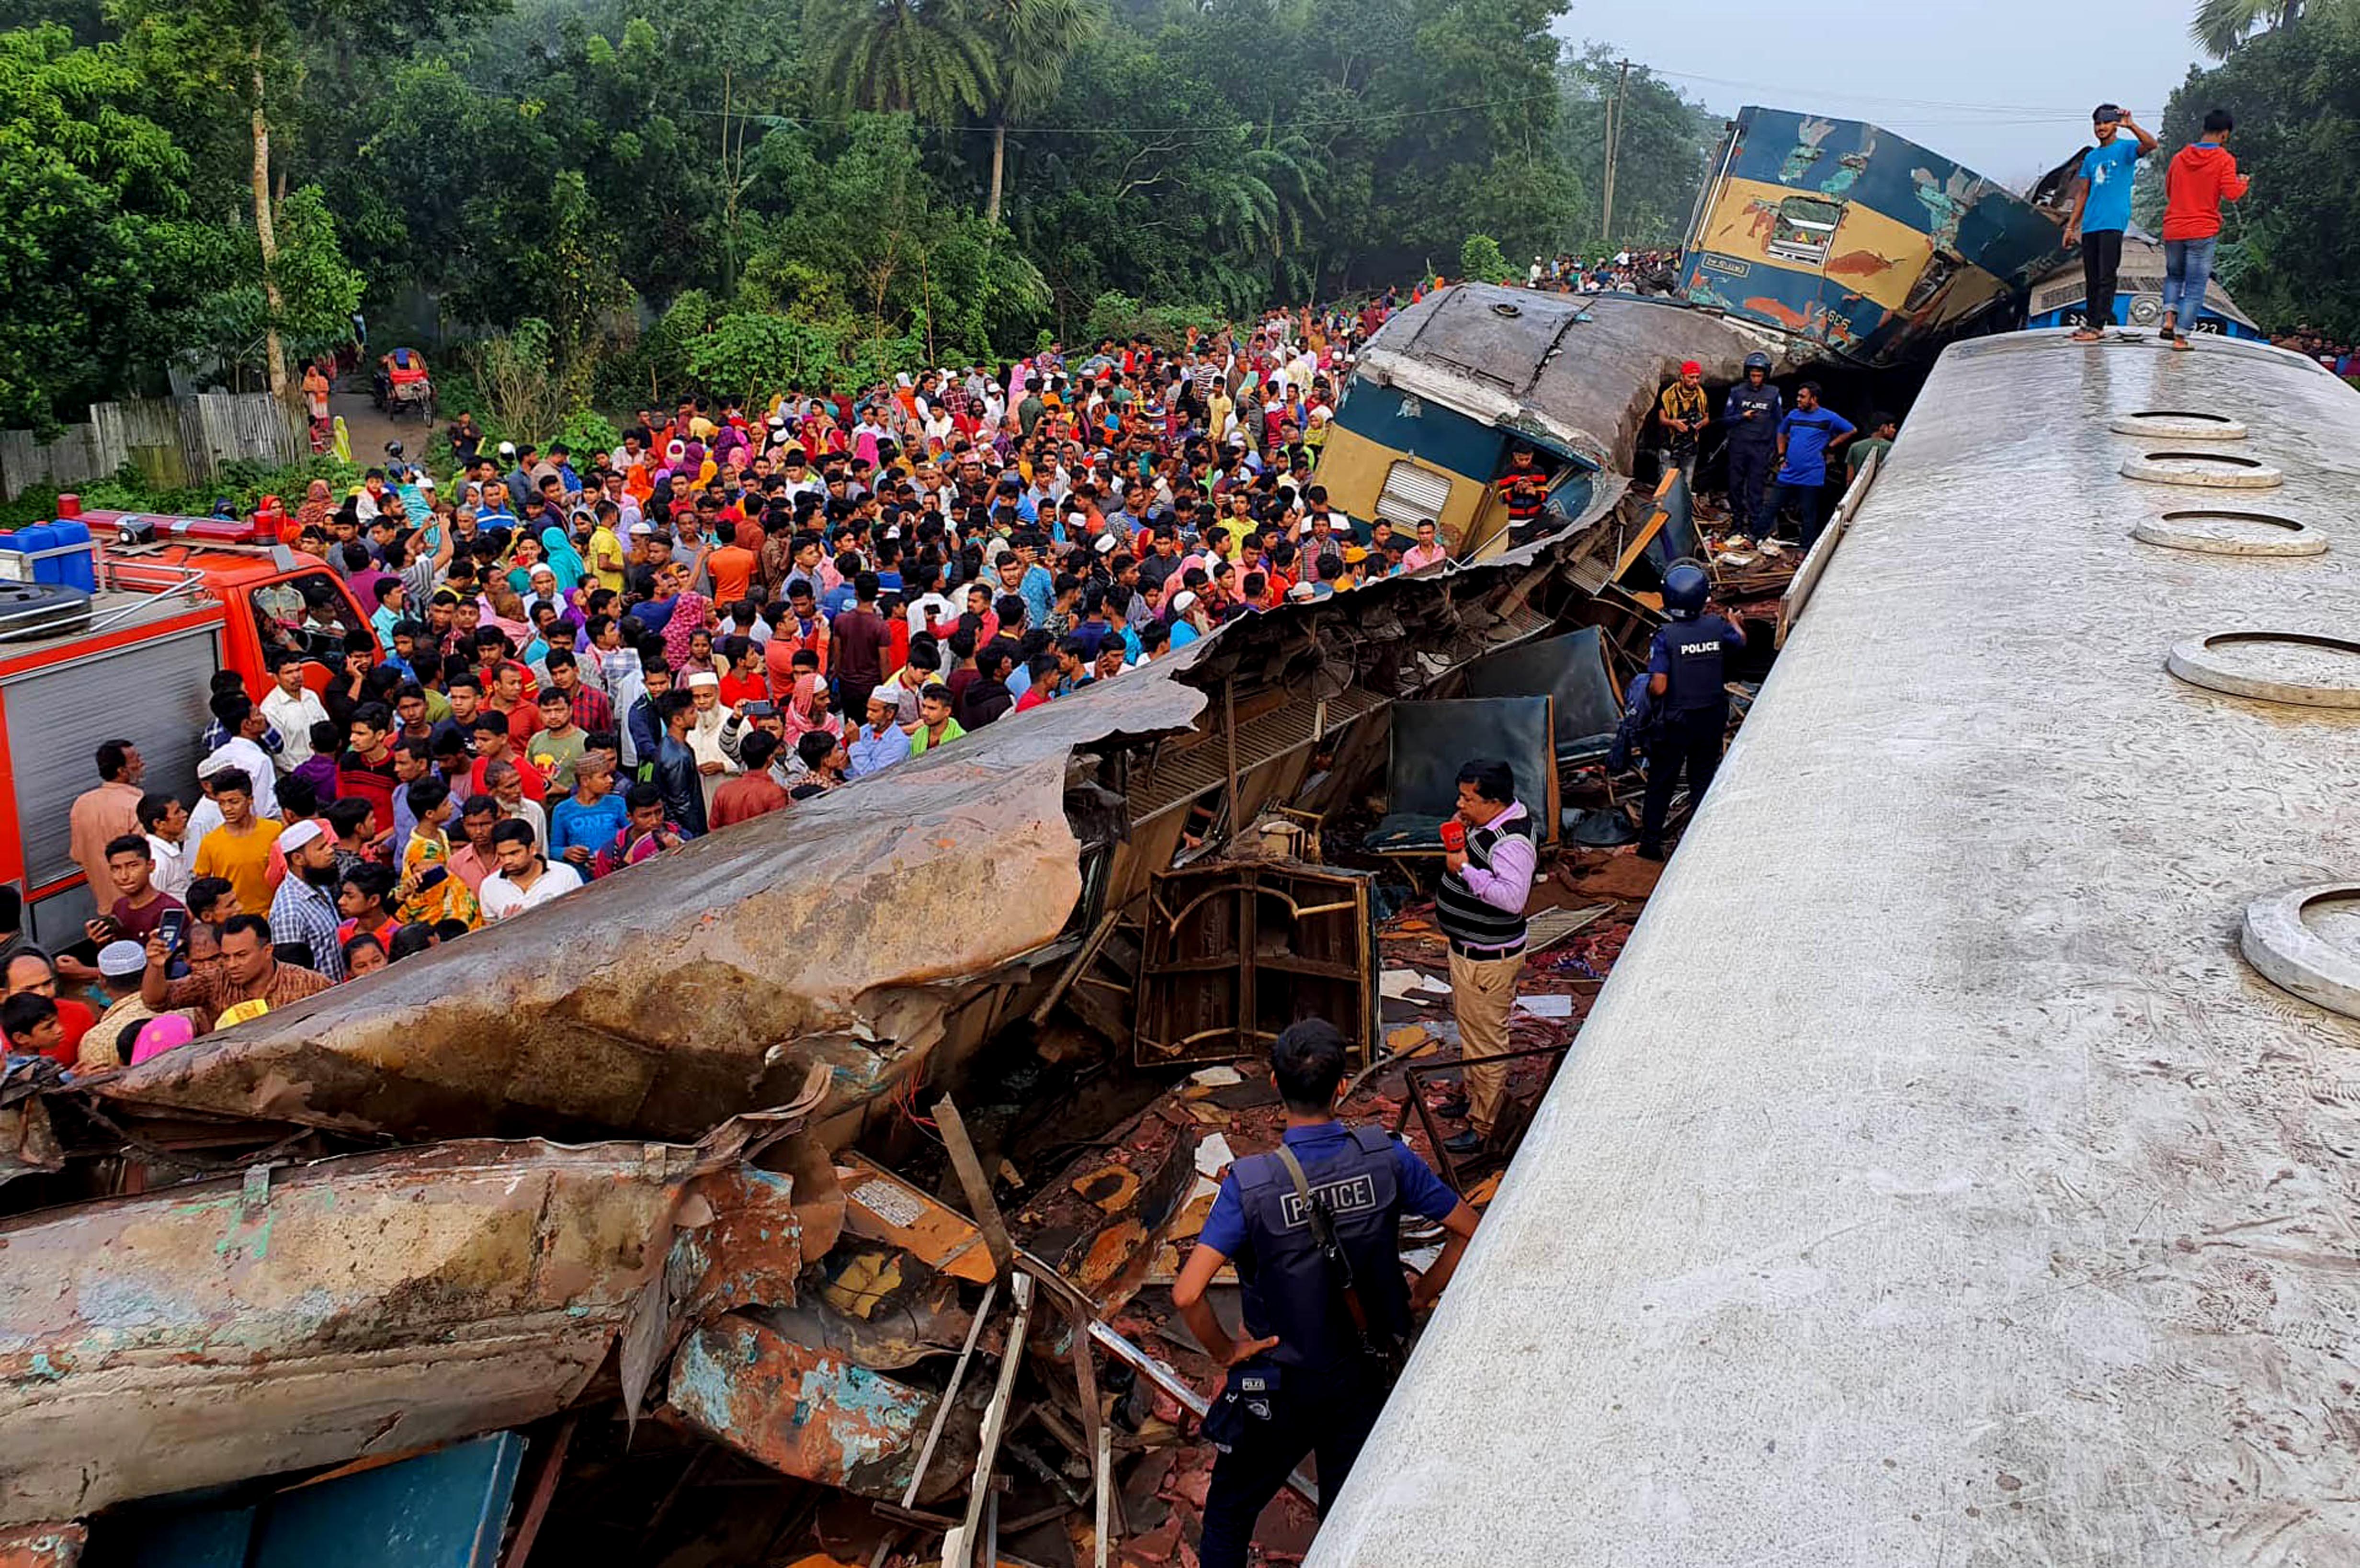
(1481, 908)
(1315, 1231)
(1685, 673)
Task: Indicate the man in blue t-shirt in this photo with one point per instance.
(2102, 211)
(1806, 436)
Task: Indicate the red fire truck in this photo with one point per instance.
(171, 601)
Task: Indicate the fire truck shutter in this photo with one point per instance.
(152, 694)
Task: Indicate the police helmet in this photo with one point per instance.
(1758, 361)
(1685, 588)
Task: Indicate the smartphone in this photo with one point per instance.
(173, 928)
(433, 877)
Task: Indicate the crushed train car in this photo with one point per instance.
(378, 1303)
(1452, 383)
(1859, 245)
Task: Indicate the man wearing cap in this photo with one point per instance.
(1683, 412)
(2102, 211)
(304, 907)
(714, 764)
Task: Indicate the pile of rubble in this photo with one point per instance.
(685, 1254)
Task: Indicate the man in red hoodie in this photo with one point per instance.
(2202, 175)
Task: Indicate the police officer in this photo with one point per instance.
(1326, 1303)
(1751, 410)
(1685, 676)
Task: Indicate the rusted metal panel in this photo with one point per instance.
(801, 1411)
(680, 978)
(876, 1305)
(48, 1545)
(748, 1254)
(28, 1143)
(204, 1334)
(1101, 1221)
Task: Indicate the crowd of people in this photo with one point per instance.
(577, 661)
(1626, 271)
(2337, 356)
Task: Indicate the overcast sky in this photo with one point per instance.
(2004, 86)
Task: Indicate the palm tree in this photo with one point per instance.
(1036, 37)
(2222, 25)
(910, 57)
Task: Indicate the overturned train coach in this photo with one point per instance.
(1859, 245)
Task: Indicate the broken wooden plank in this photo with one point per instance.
(1081, 961)
(1102, 1463)
(880, 1206)
(536, 1507)
(976, 1185)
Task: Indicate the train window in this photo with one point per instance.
(1413, 494)
(1804, 229)
(1940, 267)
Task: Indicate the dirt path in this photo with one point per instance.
(369, 430)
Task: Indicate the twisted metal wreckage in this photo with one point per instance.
(726, 1024)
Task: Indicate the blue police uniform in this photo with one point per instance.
(1692, 713)
(1328, 1391)
(1752, 448)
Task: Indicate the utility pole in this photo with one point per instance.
(1613, 147)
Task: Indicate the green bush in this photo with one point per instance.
(128, 491)
(588, 430)
(1481, 259)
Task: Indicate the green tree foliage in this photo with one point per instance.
(901, 180)
(2291, 251)
(1667, 148)
(2222, 25)
(319, 290)
(101, 257)
(926, 58)
(1479, 259)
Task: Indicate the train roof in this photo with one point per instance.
(1934, 1182)
(1578, 373)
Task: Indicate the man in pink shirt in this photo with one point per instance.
(1428, 552)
